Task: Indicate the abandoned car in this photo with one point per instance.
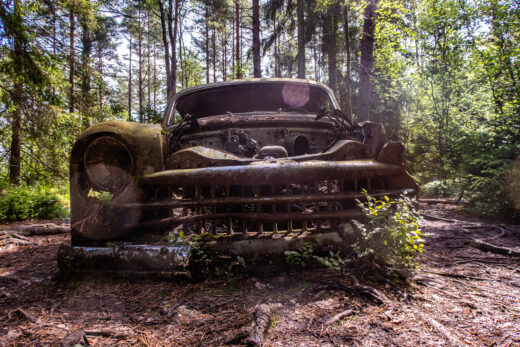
(246, 160)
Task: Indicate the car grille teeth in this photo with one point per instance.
(262, 209)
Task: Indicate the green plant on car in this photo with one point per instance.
(334, 261)
(301, 256)
(231, 269)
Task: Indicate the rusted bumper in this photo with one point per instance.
(269, 172)
(277, 196)
(125, 258)
(168, 259)
(263, 198)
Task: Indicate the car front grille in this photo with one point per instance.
(260, 209)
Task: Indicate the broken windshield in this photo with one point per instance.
(285, 96)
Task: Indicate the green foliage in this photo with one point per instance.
(333, 261)
(300, 257)
(447, 188)
(231, 269)
(391, 234)
(104, 197)
(39, 201)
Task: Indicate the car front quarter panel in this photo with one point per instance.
(93, 217)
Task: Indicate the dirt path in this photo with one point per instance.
(459, 296)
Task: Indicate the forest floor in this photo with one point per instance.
(459, 295)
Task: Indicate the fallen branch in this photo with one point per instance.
(449, 274)
(7, 238)
(15, 235)
(439, 201)
(21, 314)
(368, 291)
(488, 247)
(453, 340)
(37, 229)
(435, 218)
(456, 221)
(107, 332)
(470, 225)
(466, 224)
(261, 322)
(339, 316)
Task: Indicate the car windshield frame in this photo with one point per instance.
(287, 94)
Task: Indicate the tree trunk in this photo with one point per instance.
(206, 40)
(315, 57)
(154, 80)
(366, 63)
(348, 102)
(140, 63)
(277, 72)
(233, 31)
(173, 26)
(16, 137)
(182, 70)
(148, 66)
(237, 28)
(100, 69)
(130, 79)
(85, 77)
(72, 34)
(184, 64)
(214, 42)
(224, 55)
(301, 40)
(166, 45)
(16, 125)
(53, 30)
(257, 70)
(331, 45)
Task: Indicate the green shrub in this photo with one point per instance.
(301, 256)
(448, 188)
(391, 233)
(491, 197)
(42, 201)
(333, 261)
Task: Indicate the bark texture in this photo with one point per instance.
(16, 125)
(366, 63)
(257, 70)
(237, 35)
(72, 34)
(85, 73)
(301, 39)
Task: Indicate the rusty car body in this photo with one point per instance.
(265, 163)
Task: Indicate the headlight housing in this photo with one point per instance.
(108, 164)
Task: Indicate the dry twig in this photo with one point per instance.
(21, 314)
(488, 247)
(107, 332)
(364, 289)
(339, 316)
(439, 201)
